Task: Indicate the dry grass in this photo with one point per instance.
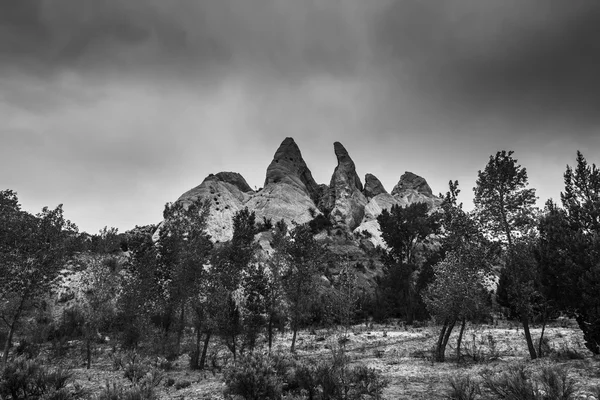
(403, 355)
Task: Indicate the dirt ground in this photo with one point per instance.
(401, 354)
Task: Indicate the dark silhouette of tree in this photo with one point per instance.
(33, 250)
(504, 206)
(404, 229)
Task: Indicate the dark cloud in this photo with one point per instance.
(526, 59)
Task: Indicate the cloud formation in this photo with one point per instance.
(118, 96)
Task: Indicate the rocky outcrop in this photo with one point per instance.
(409, 181)
(373, 186)
(346, 200)
(412, 188)
(228, 193)
(290, 192)
(289, 167)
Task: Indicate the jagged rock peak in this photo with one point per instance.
(233, 178)
(288, 166)
(346, 165)
(373, 186)
(410, 181)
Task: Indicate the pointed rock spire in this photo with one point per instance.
(373, 186)
(346, 200)
(288, 166)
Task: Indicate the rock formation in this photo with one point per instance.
(373, 186)
(346, 200)
(290, 191)
(412, 188)
(227, 192)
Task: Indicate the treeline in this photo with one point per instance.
(505, 256)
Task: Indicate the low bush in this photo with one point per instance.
(253, 377)
(25, 378)
(519, 383)
(463, 388)
(268, 377)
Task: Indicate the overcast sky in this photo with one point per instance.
(114, 107)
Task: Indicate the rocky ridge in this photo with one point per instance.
(291, 193)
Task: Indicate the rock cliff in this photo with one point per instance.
(290, 193)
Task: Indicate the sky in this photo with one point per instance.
(113, 108)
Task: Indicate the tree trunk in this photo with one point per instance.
(294, 339)
(8, 342)
(459, 340)
(270, 332)
(11, 331)
(88, 352)
(439, 353)
(181, 327)
(443, 340)
(530, 345)
(204, 350)
(540, 351)
(196, 354)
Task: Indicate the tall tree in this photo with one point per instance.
(404, 229)
(504, 206)
(33, 250)
(458, 292)
(184, 248)
(305, 262)
(570, 249)
(503, 202)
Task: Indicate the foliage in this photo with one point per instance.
(25, 378)
(503, 202)
(519, 383)
(304, 261)
(504, 206)
(570, 249)
(404, 229)
(463, 388)
(253, 378)
(33, 250)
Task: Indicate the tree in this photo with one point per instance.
(504, 206)
(184, 248)
(33, 250)
(304, 264)
(404, 229)
(570, 250)
(503, 202)
(458, 292)
(100, 287)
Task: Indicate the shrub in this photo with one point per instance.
(29, 379)
(118, 392)
(253, 377)
(514, 384)
(463, 388)
(556, 383)
(182, 385)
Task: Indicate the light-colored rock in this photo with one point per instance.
(346, 199)
(373, 186)
(289, 167)
(412, 188)
(283, 201)
(373, 209)
(223, 190)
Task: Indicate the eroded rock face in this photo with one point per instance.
(346, 199)
(228, 193)
(410, 181)
(412, 188)
(373, 186)
(289, 167)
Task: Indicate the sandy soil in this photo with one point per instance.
(402, 354)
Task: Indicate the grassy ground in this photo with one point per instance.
(402, 354)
